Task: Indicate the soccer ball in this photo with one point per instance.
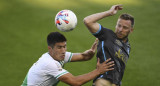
(65, 20)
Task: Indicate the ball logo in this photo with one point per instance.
(62, 16)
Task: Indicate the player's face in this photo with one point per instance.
(58, 51)
(123, 28)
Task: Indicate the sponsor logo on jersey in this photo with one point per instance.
(121, 56)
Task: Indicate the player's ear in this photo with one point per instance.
(49, 48)
(131, 30)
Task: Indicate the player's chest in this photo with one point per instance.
(117, 49)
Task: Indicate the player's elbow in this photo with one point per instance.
(86, 21)
(89, 24)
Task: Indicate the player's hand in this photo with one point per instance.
(105, 66)
(90, 53)
(113, 10)
(94, 46)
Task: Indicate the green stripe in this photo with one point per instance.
(25, 81)
(70, 58)
(61, 62)
(61, 74)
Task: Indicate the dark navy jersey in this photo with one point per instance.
(110, 46)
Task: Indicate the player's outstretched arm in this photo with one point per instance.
(81, 79)
(86, 55)
(91, 20)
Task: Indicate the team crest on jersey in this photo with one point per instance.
(118, 42)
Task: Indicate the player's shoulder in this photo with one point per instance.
(47, 60)
(108, 30)
(105, 29)
(46, 57)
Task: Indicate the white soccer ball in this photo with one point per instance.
(65, 20)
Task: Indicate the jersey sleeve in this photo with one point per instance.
(55, 69)
(103, 33)
(68, 57)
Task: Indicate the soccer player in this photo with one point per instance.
(114, 45)
(48, 70)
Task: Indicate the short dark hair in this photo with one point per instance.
(55, 37)
(126, 16)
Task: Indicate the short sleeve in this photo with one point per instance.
(55, 69)
(103, 33)
(68, 57)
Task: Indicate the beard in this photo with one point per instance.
(121, 38)
(124, 38)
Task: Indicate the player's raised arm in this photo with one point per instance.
(81, 79)
(86, 55)
(91, 20)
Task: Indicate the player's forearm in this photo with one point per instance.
(95, 17)
(87, 55)
(87, 77)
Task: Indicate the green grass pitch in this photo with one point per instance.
(24, 25)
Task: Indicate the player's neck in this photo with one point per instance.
(50, 54)
(125, 40)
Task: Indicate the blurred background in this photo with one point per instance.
(25, 24)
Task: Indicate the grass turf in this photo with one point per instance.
(24, 25)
